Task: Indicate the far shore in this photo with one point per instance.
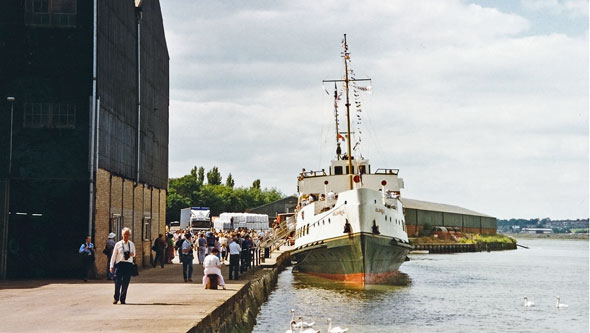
(551, 236)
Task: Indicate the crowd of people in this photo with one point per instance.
(212, 249)
(230, 247)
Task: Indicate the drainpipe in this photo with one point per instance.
(139, 14)
(97, 134)
(92, 116)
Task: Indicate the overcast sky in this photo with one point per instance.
(480, 104)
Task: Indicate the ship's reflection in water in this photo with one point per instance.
(316, 299)
(466, 292)
(303, 281)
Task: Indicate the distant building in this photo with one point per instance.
(272, 209)
(88, 156)
(536, 231)
(420, 214)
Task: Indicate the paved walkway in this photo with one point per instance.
(158, 300)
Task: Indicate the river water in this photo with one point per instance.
(464, 292)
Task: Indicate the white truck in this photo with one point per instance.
(195, 218)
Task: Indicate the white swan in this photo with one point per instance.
(303, 324)
(528, 303)
(336, 329)
(291, 330)
(560, 305)
(298, 324)
(307, 330)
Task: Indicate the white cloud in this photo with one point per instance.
(572, 8)
(472, 112)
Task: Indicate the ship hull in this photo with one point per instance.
(361, 258)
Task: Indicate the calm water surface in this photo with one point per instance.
(466, 292)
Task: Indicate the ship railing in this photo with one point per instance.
(314, 173)
(387, 172)
(279, 236)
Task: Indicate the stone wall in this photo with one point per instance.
(238, 314)
(133, 204)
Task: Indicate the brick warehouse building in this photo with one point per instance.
(72, 160)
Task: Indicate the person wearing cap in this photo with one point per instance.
(187, 258)
(108, 251)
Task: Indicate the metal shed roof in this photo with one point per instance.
(438, 207)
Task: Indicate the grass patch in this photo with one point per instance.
(494, 239)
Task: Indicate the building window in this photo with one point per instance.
(147, 228)
(57, 13)
(116, 226)
(49, 115)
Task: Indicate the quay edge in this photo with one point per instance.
(238, 313)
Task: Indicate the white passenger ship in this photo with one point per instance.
(349, 219)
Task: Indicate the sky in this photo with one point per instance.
(480, 104)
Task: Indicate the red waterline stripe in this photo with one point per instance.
(357, 278)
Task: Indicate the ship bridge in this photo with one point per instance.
(336, 180)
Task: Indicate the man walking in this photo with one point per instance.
(187, 258)
(122, 265)
(108, 251)
(159, 247)
(87, 251)
(246, 246)
(234, 258)
(202, 251)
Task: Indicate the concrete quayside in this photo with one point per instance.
(158, 301)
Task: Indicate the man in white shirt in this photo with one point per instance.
(187, 258)
(122, 265)
(234, 258)
(212, 266)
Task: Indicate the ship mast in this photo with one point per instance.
(338, 150)
(346, 81)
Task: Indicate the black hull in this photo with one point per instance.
(361, 258)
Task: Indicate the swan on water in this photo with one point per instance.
(336, 329)
(560, 305)
(528, 303)
(298, 324)
(291, 330)
(308, 330)
(304, 324)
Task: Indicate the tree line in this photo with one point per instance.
(192, 191)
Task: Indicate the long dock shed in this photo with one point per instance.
(421, 215)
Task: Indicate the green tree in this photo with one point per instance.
(256, 184)
(174, 203)
(229, 181)
(201, 175)
(189, 190)
(214, 177)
